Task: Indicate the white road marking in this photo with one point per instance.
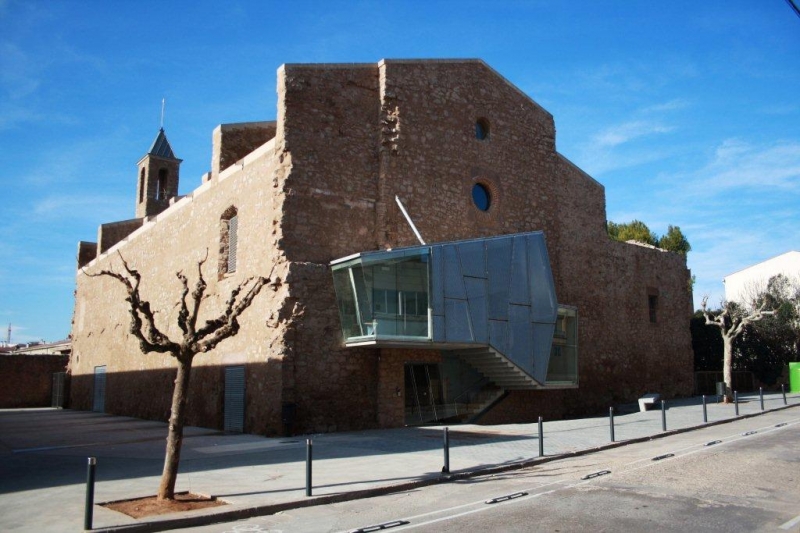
(791, 523)
(566, 484)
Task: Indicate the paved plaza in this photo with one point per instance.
(43, 456)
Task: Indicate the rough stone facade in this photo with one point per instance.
(347, 139)
(27, 380)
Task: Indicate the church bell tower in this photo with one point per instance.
(157, 178)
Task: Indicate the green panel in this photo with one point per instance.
(794, 377)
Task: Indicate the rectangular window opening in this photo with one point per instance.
(652, 304)
(563, 367)
(233, 229)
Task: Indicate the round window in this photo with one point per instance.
(481, 196)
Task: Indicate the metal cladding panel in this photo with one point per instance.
(234, 398)
(438, 328)
(453, 280)
(473, 259)
(545, 306)
(542, 343)
(476, 299)
(437, 280)
(498, 252)
(498, 335)
(519, 290)
(457, 324)
(520, 349)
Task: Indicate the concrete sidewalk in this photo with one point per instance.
(43, 456)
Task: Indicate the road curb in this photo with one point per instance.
(264, 510)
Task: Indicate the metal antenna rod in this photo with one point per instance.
(408, 218)
(163, 101)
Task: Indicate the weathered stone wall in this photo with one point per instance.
(139, 384)
(436, 158)
(348, 138)
(327, 140)
(231, 142)
(27, 380)
(110, 234)
(87, 251)
(427, 153)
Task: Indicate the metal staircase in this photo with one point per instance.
(498, 369)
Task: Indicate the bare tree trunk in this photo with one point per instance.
(727, 367)
(193, 341)
(166, 490)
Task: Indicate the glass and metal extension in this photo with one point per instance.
(490, 302)
(384, 296)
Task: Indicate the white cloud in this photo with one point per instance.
(740, 165)
(627, 132)
(673, 105)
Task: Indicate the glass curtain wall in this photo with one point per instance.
(563, 367)
(384, 295)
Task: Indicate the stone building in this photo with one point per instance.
(363, 326)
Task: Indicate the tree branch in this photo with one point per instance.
(227, 324)
(197, 295)
(150, 338)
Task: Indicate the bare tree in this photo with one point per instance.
(192, 342)
(731, 321)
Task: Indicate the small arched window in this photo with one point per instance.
(161, 187)
(228, 241)
(482, 129)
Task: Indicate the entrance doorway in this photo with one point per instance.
(99, 399)
(234, 399)
(424, 394)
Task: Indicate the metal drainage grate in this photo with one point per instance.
(713, 442)
(596, 474)
(507, 497)
(780, 425)
(747, 434)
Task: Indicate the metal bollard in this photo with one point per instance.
(541, 438)
(611, 421)
(736, 402)
(761, 396)
(446, 467)
(309, 460)
(705, 410)
(663, 415)
(783, 391)
(88, 510)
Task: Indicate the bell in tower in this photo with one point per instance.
(158, 178)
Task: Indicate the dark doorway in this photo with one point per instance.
(234, 399)
(58, 395)
(424, 395)
(99, 397)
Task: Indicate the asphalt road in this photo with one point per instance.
(748, 481)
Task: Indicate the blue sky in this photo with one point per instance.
(688, 112)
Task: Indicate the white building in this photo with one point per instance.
(742, 285)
